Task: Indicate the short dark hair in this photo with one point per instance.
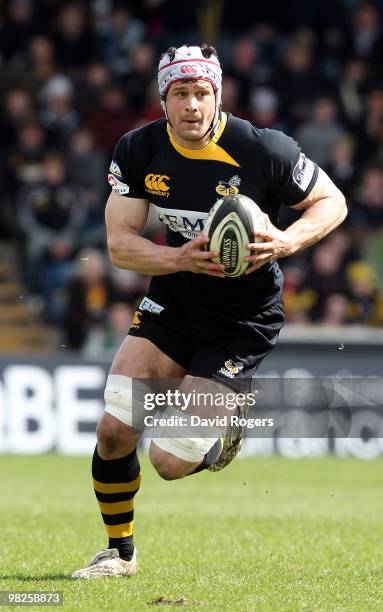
(206, 50)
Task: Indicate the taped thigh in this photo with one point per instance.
(190, 445)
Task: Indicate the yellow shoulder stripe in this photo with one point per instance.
(211, 151)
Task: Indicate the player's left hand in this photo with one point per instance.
(275, 244)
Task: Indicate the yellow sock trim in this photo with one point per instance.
(117, 487)
(119, 531)
(116, 507)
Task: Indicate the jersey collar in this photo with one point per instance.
(210, 151)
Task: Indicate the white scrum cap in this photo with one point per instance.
(189, 63)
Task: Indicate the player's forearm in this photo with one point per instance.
(133, 252)
(316, 222)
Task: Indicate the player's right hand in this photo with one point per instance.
(192, 258)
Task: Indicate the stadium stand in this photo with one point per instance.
(75, 76)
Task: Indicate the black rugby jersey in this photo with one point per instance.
(183, 184)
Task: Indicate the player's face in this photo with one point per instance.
(190, 107)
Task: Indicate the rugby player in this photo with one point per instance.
(195, 324)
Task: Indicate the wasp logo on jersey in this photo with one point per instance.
(230, 187)
(136, 322)
(155, 184)
(231, 368)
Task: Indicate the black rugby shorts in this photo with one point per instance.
(214, 340)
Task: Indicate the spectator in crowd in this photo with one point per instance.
(105, 339)
(141, 74)
(18, 107)
(298, 299)
(19, 26)
(350, 89)
(365, 299)
(341, 165)
(118, 33)
(152, 109)
(88, 89)
(297, 82)
(319, 134)
(73, 38)
(231, 97)
(51, 215)
(325, 277)
(34, 68)
(180, 21)
(40, 65)
(20, 165)
(264, 109)
(23, 161)
(367, 207)
(317, 15)
(243, 67)
(369, 132)
(333, 53)
(89, 294)
(75, 76)
(110, 119)
(372, 253)
(86, 173)
(366, 33)
(340, 242)
(130, 285)
(58, 116)
(335, 310)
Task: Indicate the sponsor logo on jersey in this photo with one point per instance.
(183, 225)
(230, 187)
(231, 369)
(188, 223)
(156, 184)
(117, 185)
(150, 306)
(303, 172)
(115, 168)
(189, 69)
(136, 322)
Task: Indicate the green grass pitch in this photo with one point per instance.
(263, 534)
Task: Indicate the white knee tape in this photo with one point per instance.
(188, 449)
(118, 398)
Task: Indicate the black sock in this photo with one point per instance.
(116, 481)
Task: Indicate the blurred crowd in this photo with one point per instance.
(74, 76)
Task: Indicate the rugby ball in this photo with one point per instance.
(230, 225)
